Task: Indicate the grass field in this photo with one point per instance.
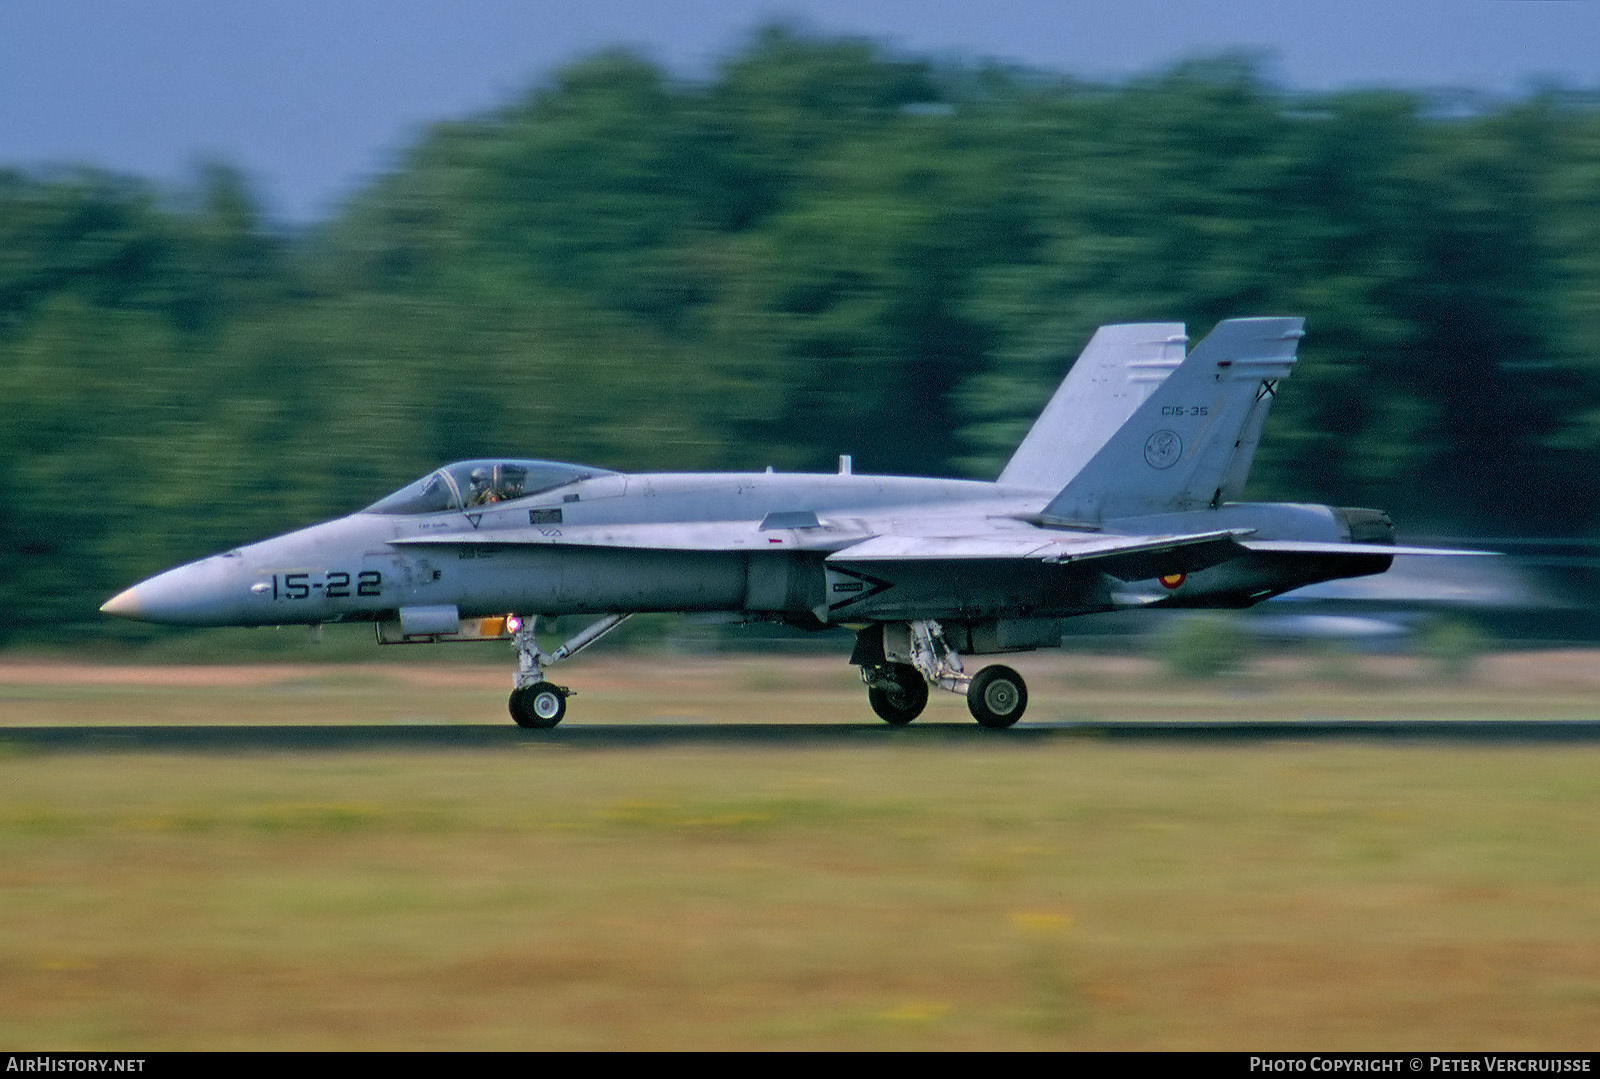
(1060, 894)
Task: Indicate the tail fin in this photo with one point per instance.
(1118, 369)
(1191, 443)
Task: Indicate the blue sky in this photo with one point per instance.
(312, 97)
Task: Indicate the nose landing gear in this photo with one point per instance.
(539, 705)
(536, 702)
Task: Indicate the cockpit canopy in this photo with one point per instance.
(481, 483)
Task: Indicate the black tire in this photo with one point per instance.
(540, 705)
(903, 703)
(997, 696)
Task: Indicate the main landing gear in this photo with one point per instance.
(898, 693)
(535, 702)
(898, 678)
(997, 696)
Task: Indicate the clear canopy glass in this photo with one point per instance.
(481, 483)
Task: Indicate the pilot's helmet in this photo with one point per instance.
(479, 480)
(512, 479)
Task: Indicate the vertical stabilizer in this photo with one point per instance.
(1191, 443)
(1119, 368)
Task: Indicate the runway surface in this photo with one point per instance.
(309, 738)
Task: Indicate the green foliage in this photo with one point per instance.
(824, 247)
(1454, 645)
(1209, 645)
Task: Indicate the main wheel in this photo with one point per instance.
(997, 696)
(904, 701)
(538, 705)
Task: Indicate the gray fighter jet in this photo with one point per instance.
(1123, 494)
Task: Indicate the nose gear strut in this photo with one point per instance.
(535, 702)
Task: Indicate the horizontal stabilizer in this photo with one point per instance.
(1305, 547)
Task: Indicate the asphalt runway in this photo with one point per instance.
(316, 739)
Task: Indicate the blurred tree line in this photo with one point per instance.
(826, 247)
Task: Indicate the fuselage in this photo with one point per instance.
(370, 564)
(662, 542)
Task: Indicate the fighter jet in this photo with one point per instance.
(1125, 493)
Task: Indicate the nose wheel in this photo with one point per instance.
(542, 704)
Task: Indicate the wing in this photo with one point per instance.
(1004, 571)
(996, 569)
(1129, 558)
(853, 540)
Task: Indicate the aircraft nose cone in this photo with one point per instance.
(211, 592)
(124, 604)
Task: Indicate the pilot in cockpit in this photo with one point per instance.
(480, 489)
(509, 481)
(497, 484)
